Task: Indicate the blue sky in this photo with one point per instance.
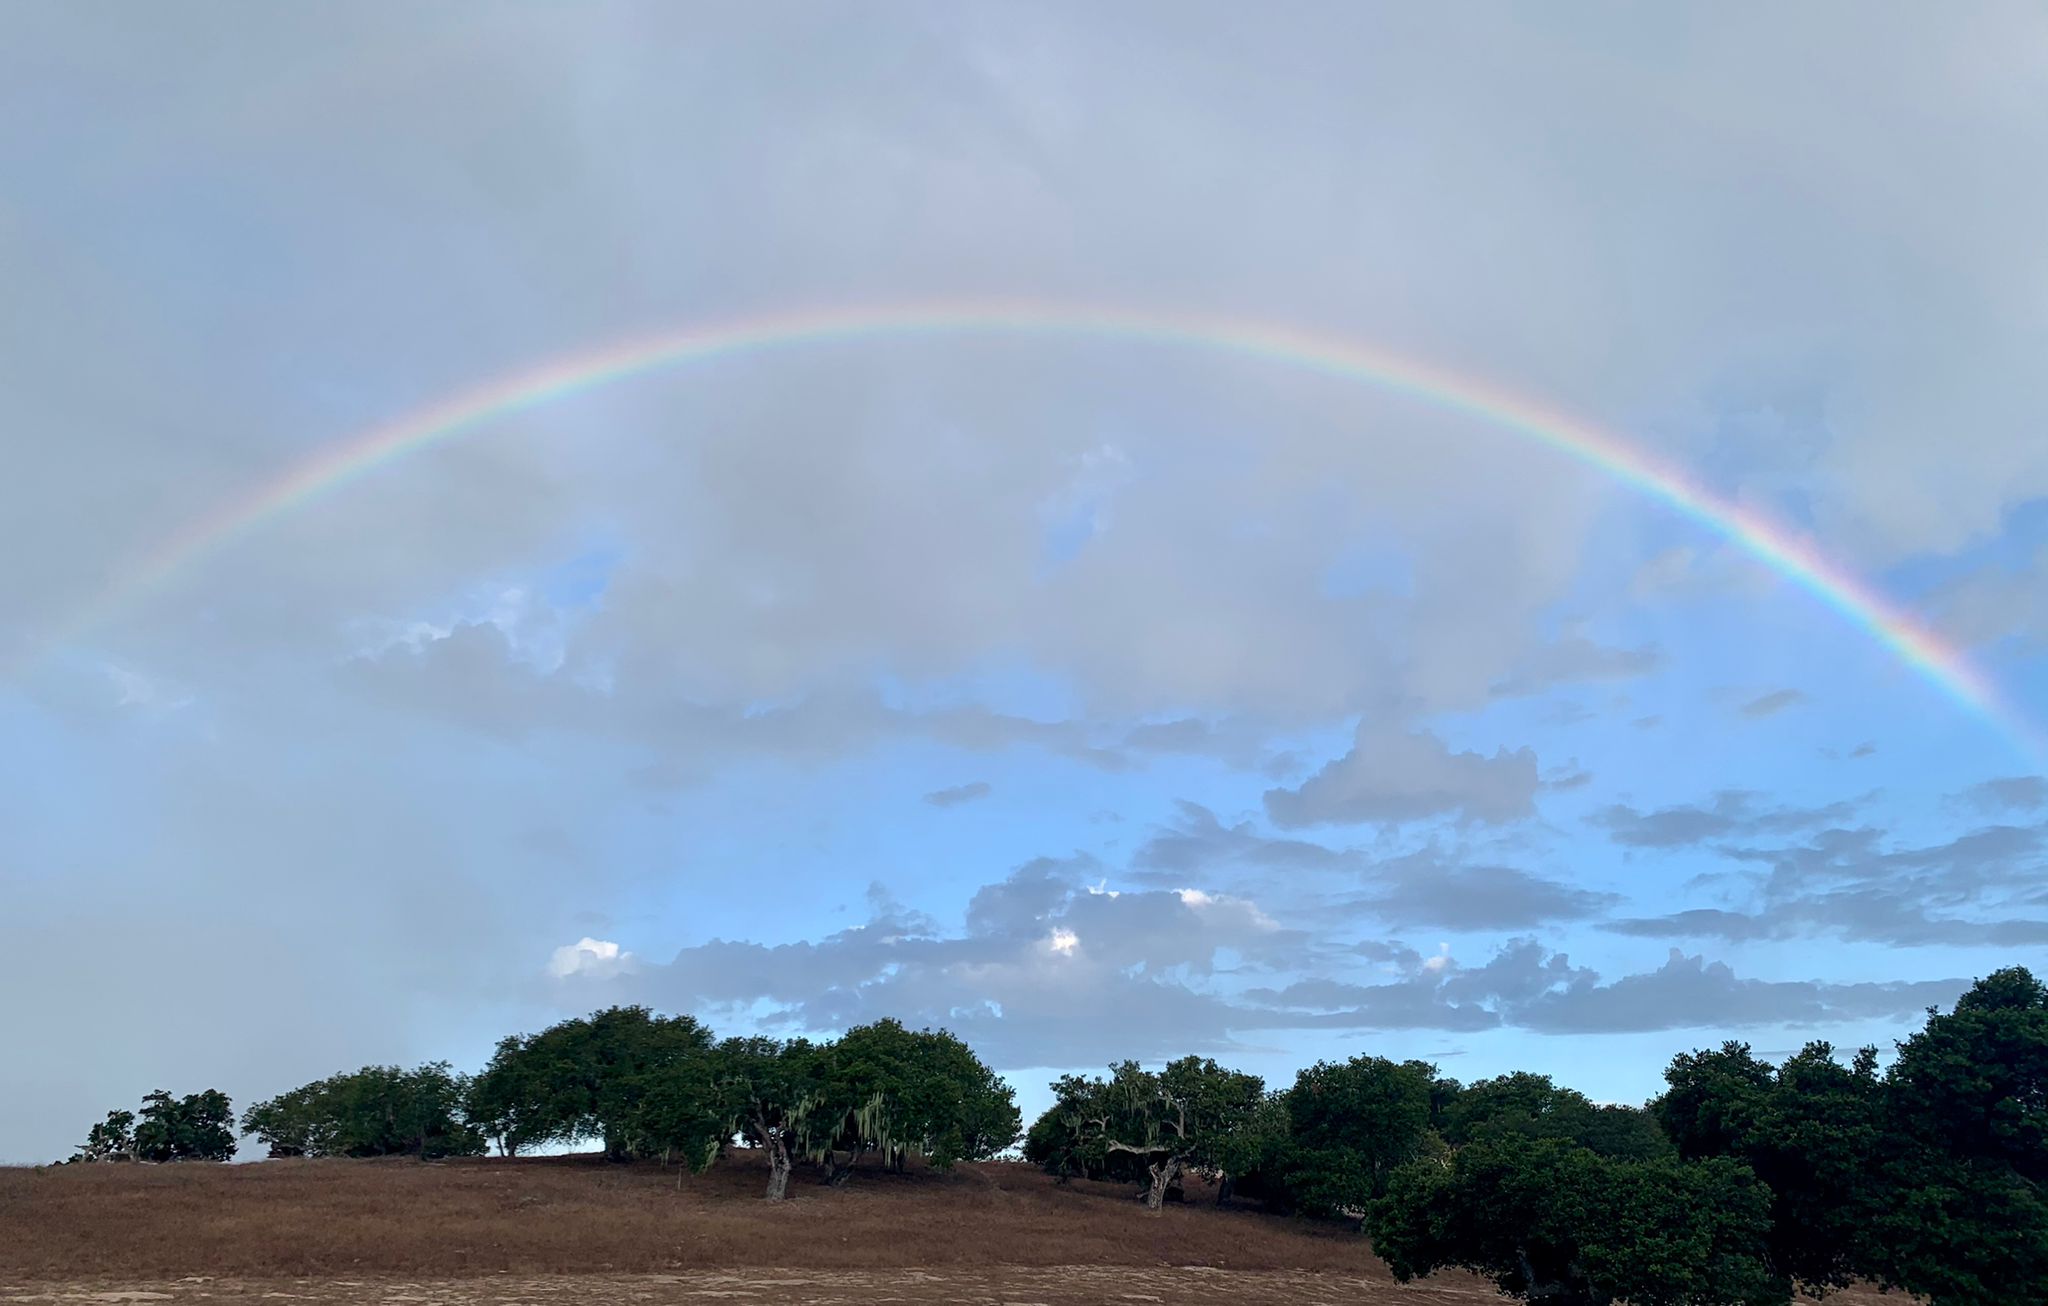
(1090, 699)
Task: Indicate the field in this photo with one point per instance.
(543, 1232)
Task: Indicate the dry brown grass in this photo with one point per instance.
(570, 1231)
(577, 1216)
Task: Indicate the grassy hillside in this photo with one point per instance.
(576, 1215)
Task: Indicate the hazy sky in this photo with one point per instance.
(1093, 698)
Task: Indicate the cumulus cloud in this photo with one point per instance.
(595, 958)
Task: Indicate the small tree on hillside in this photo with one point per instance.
(197, 1127)
(113, 1139)
(1167, 1123)
(895, 1091)
(764, 1091)
(375, 1111)
(583, 1078)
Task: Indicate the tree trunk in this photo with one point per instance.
(1224, 1185)
(778, 1167)
(1163, 1175)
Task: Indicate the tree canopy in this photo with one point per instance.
(196, 1127)
(584, 1078)
(375, 1111)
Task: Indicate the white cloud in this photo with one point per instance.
(592, 959)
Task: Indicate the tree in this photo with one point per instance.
(583, 1078)
(884, 1088)
(763, 1090)
(1962, 1218)
(1249, 1159)
(1553, 1222)
(113, 1139)
(508, 1101)
(197, 1127)
(375, 1111)
(1809, 1131)
(1714, 1100)
(1531, 1106)
(1627, 1133)
(1353, 1123)
(1163, 1124)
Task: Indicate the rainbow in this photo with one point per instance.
(471, 411)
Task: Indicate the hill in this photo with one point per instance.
(544, 1230)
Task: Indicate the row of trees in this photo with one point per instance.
(650, 1085)
(197, 1127)
(1742, 1182)
(644, 1085)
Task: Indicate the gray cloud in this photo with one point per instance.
(1429, 886)
(1692, 992)
(1733, 814)
(1969, 891)
(1426, 888)
(2008, 793)
(958, 794)
(1773, 703)
(1141, 967)
(1198, 842)
(1396, 776)
(642, 613)
(1575, 659)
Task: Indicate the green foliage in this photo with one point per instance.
(1714, 1100)
(763, 1090)
(197, 1127)
(1250, 1158)
(898, 1091)
(1353, 1123)
(113, 1139)
(1627, 1133)
(1808, 1130)
(1549, 1220)
(1959, 1214)
(1185, 1117)
(1531, 1106)
(375, 1111)
(584, 1078)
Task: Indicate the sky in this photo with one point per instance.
(1094, 696)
